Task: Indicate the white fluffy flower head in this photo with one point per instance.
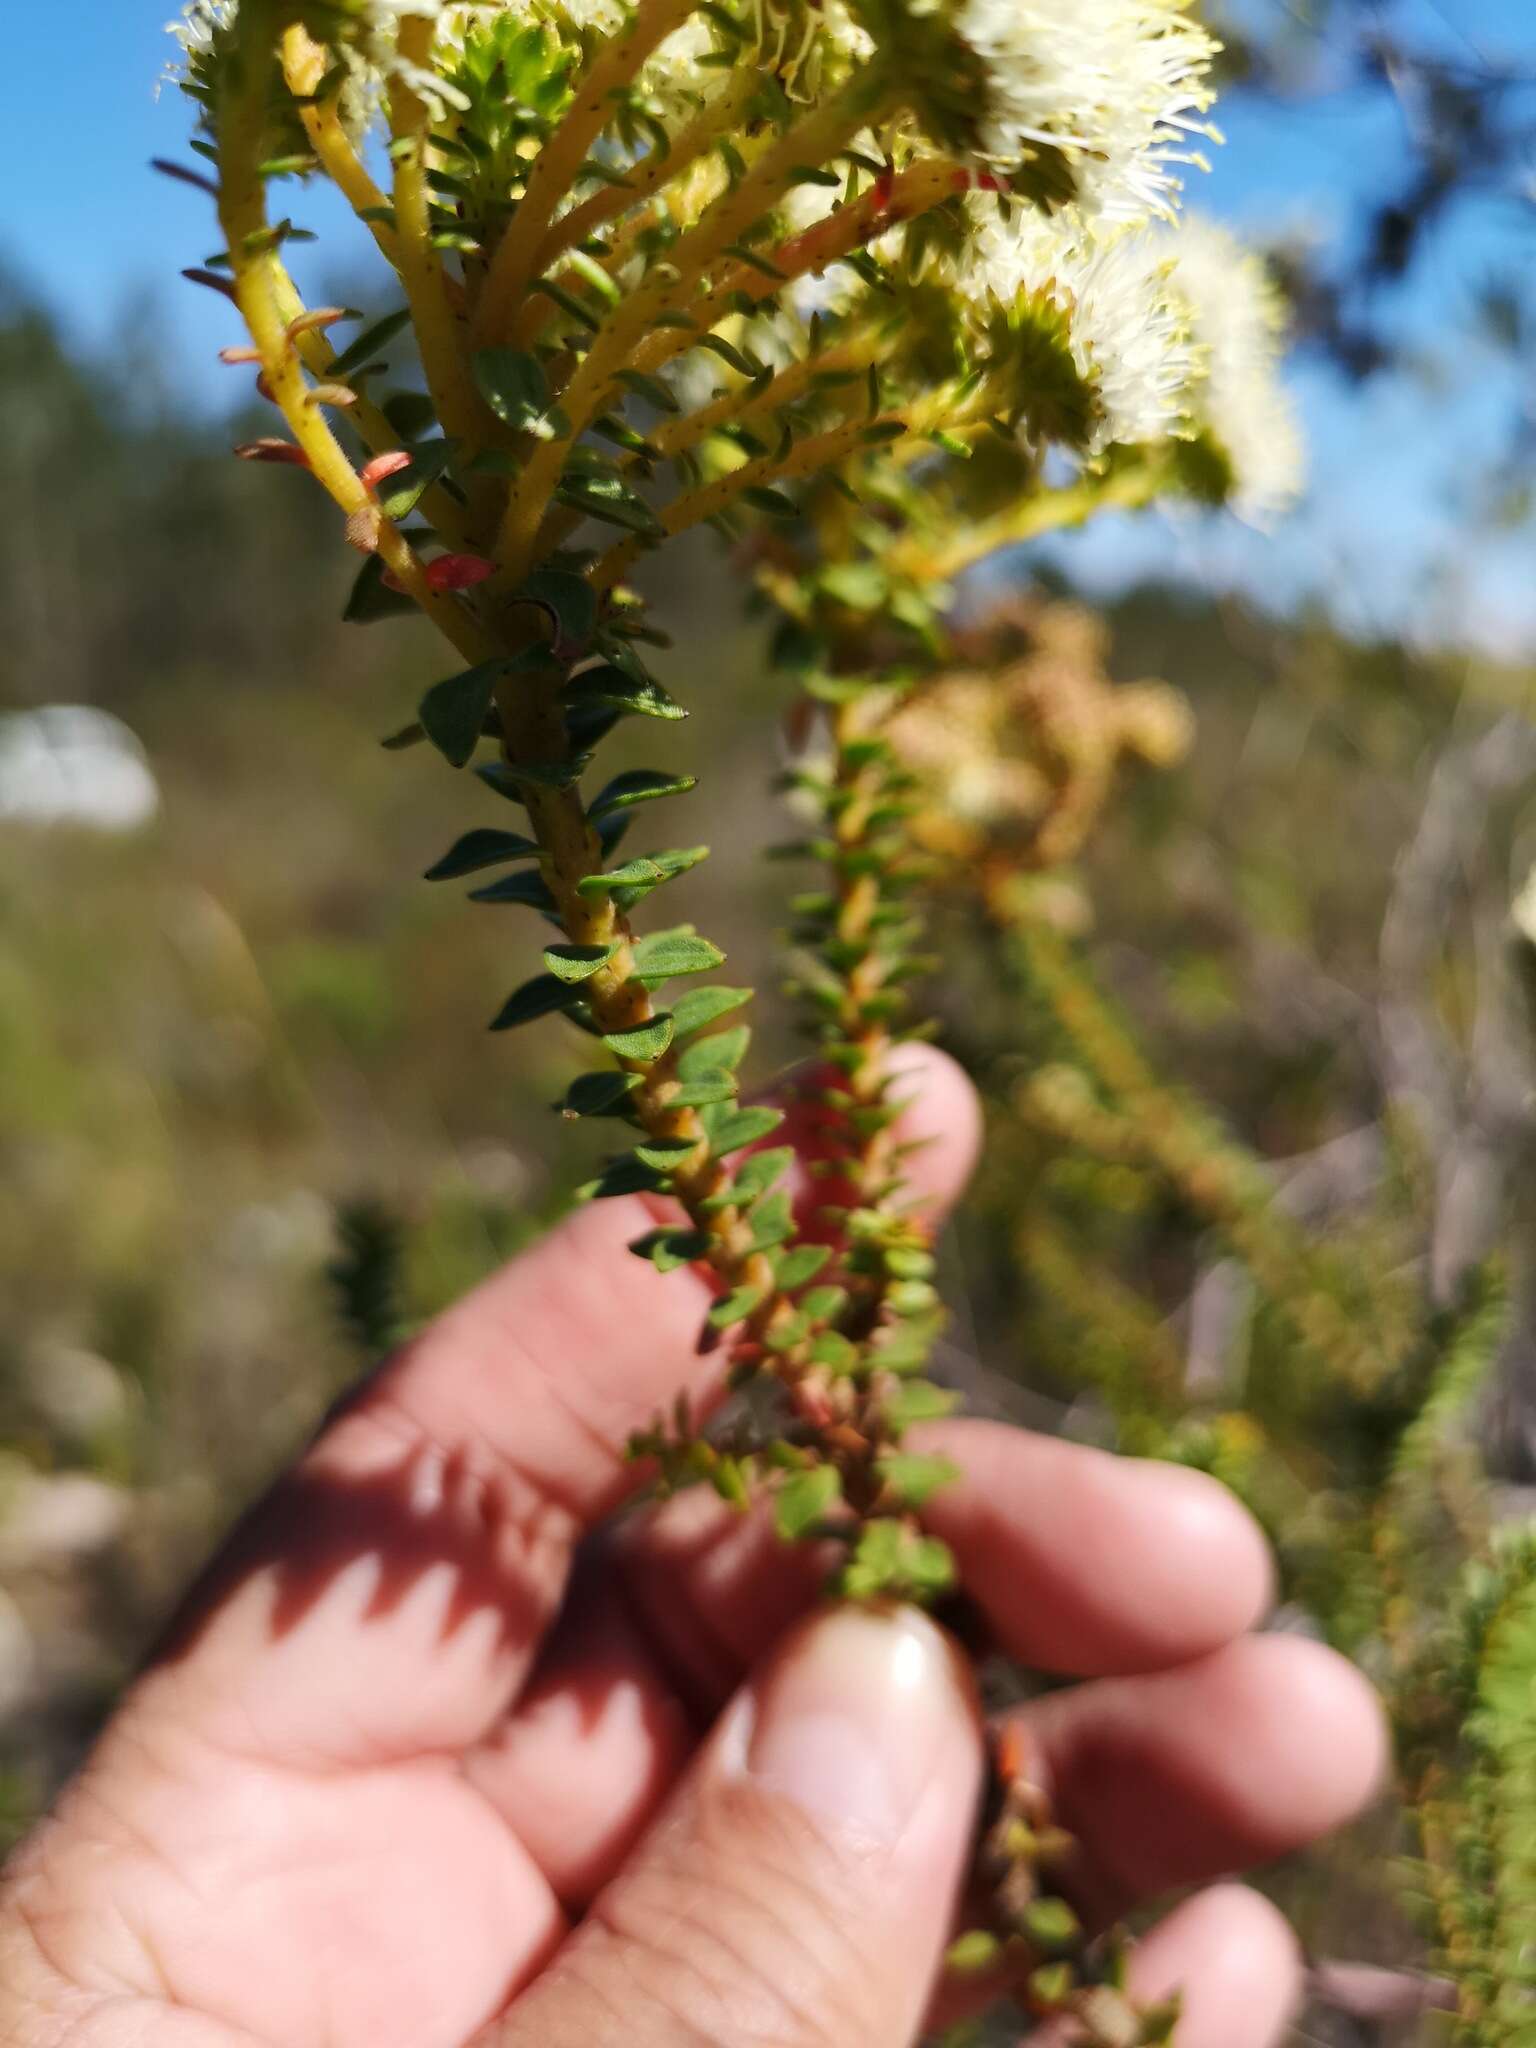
(1237, 320)
(1127, 328)
(1121, 86)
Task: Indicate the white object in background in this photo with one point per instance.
(71, 764)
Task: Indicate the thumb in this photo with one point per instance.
(798, 1890)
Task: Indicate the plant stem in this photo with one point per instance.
(1047, 512)
(806, 458)
(258, 291)
(441, 332)
(812, 140)
(304, 67)
(720, 117)
(318, 357)
(918, 189)
(555, 169)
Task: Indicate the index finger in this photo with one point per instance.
(388, 1597)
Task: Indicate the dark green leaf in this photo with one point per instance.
(372, 598)
(483, 848)
(628, 1176)
(640, 697)
(669, 1249)
(516, 389)
(639, 786)
(368, 343)
(539, 998)
(599, 1094)
(651, 389)
(453, 712)
(778, 504)
(568, 599)
(529, 890)
(402, 493)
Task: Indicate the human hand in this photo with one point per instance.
(436, 1757)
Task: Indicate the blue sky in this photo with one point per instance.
(1384, 537)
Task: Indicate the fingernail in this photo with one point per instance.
(857, 1717)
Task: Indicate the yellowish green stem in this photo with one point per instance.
(811, 141)
(517, 260)
(442, 333)
(304, 65)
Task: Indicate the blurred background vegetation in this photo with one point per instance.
(240, 1041)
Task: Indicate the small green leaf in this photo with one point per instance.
(702, 1006)
(669, 1249)
(538, 998)
(638, 786)
(918, 1401)
(973, 1953)
(915, 1479)
(453, 713)
(399, 497)
(725, 1049)
(629, 1176)
(823, 1304)
(667, 1153)
(599, 1094)
(702, 1089)
(833, 1350)
(569, 600)
(777, 504)
(651, 389)
(647, 1041)
(736, 1306)
(802, 1264)
(1051, 1923)
(805, 1500)
(481, 849)
(367, 344)
(741, 1127)
(516, 389)
(729, 1480)
(645, 873)
(578, 963)
(528, 890)
(599, 499)
(772, 1222)
(641, 697)
(755, 1176)
(550, 774)
(372, 599)
(661, 955)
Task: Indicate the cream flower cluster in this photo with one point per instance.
(1120, 86)
(1237, 321)
(1178, 330)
